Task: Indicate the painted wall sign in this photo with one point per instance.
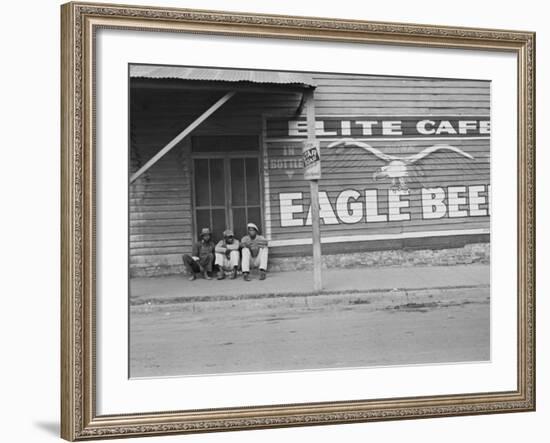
(351, 206)
(311, 155)
(388, 127)
(286, 161)
(382, 176)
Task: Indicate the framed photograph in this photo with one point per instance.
(283, 221)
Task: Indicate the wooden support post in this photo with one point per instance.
(182, 135)
(314, 193)
(316, 234)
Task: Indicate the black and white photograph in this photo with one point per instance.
(228, 273)
(275, 221)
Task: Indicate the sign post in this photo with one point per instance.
(312, 172)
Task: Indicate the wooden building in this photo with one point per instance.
(244, 162)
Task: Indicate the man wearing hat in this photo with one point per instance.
(254, 250)
(202, 256)
(227, 255)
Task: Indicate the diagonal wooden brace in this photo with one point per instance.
(181, 135)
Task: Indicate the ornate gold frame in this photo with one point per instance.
(79, 420)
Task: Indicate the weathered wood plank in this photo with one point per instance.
(395, 82)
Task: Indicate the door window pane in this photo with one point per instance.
(239, 222)
(252, 182)
(202, 190)
(203, 219)
(237, 182)
(218, 223)
(217, 179)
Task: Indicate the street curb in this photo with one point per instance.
(268, 295)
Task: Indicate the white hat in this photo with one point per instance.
(253, 226)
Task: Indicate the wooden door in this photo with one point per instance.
(227, 187)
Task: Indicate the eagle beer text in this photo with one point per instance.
(374, 205)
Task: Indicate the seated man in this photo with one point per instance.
(202, 256)
(254, 249)
(227, 255)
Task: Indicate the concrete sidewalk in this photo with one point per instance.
(172, 289)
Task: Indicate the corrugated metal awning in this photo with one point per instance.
(221, 75)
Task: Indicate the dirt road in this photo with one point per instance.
(293, 333)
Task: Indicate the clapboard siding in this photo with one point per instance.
(159, 228)
(404, 110)
(348, 95)
(160, 202)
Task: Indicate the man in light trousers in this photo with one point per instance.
(227, 255)
(254, 252)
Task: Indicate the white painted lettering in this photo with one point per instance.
(326, 213)
(422, 127)
(346, 127)
(485, 127)
(371, 207)
(366, 126)
(445, 127)
(289, 208)
(349, 212)
(433, 205)
(391, 128)
(297, 128)
(467, 125)
(455, 201)
(395, 204)
(475, 200)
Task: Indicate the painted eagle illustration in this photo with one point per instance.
(398, 169)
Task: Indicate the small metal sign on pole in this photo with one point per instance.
(311, 154)
(312, 171)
